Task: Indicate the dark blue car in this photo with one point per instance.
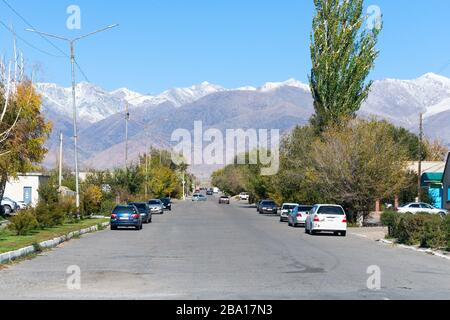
(126, 216)
(144, 210)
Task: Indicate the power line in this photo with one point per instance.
(28, 43)
(46, 39)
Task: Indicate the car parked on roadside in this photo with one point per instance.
(144, 210)
(198, 197)
(167, 203)
(9, 206)
(326, 218)
(156, 206)
(224, 199)
(297, 216)
(286, 209)
(420, 207)
(268, 207)
(244, 196)
(126, 216)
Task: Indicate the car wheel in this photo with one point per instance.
(312, 232)
(344, 234)
(113, 228)
(7, 209)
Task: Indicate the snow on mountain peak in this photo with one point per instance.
(269, 86)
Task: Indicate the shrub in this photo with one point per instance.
(49, 215)
(69, 209)
(434, 233)
(107, 207)
(23, 223)
(447, 231)
(390, 219)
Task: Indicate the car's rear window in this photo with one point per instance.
(154, 202)
(304, 208)
(269, 203)
(165, 201)
(331, 210)
(289, 207)
(119, 210)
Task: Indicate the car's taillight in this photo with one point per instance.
(345, 220)
(114, 216)
(136, 216)
(299, 215)
(316, 219)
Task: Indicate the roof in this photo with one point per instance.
(427, 166)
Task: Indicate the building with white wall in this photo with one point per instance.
(25, 187)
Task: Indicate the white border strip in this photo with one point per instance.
(14, 255)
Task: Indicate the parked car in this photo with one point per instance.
(268, 207)
(286, 209)
(9, 206)
(167, 203)
(156, 206)
(420, 207)
(224, 200)
(198, 197)
(297, 216)
(244, 196)
(126, 216)
(22, 205)
(144, 210)
(327, 218)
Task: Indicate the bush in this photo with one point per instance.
(69, 209)
(107, 207)
(428, 231)
(390, 219)
(49, 215)
(23, 223)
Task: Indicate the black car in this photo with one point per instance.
(210, 192)
(267, 207)
(167, 203)
(144, 210)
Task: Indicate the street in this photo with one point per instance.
(208, 251)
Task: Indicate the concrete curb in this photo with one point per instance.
(427, 251)
(49, 244)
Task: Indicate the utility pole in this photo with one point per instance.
(74, 105)
(184, 186)
(61, 137)
(127, 119)
(419, 183)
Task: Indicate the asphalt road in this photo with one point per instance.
(207, 251)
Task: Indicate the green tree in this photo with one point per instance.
(343, 52)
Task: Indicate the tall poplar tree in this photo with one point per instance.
(343, 52)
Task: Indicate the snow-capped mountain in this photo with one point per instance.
(402, 101)
(280, 105)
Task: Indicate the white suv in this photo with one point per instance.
(327, 218)
(244, 196)
(420, 207)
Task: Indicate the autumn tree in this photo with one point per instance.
(359, 164)
(24, 144)
(343, 52)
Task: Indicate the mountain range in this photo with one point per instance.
(275, 105)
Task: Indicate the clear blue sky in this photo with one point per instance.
(170, 43)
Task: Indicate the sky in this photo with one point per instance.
(161, 44)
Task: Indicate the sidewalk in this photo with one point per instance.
(370, 233)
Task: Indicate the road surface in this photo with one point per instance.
(208, 251)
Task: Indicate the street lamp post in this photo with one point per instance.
(74, 105)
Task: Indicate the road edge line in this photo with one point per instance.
(421, 250)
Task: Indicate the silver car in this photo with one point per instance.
(156, 206)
